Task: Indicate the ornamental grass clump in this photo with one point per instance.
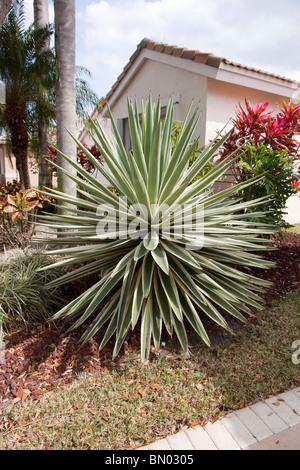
(25, 297)
(166, 247)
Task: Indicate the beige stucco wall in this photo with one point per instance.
(217, 99)
(222, 99)
(165, 81)
(8, 168)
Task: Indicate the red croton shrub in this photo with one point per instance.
(82, 160)
(278, 132)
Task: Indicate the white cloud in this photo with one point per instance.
(262, 34)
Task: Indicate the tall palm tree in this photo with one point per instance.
(41, 20)
(28, 70)
(65, 47)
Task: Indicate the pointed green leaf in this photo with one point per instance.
(181, 253)
(145, 331)
(163, 304)
(193, 317)
(171, 292)
(156, 319)
(138, 298)
(151, 240)
(147, 274)
(161, 259)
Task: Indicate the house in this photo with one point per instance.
(8, 170)
(214, 83)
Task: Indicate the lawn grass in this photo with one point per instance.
(135, 404)
(294, 229)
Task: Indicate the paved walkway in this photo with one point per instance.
(273, 424)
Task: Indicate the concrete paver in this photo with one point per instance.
(162, 444)
(292, 400)
(238, 430)
(221, 436)
(253, 423)
(267, 415)
(283, 410)
(200, 439)
(180, 441)
(297, 391)
(272, 424)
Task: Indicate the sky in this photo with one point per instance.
(259, 33)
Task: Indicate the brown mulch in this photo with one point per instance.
(285, 276)
(44, 357)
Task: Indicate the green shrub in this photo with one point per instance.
(277, 170)
(24, 294)
(268, 146)
(168, 249)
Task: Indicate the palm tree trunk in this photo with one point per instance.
(65, 46)
(15, 116)
(41, 18)
(4, 9)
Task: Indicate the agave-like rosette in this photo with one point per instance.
(172, 247)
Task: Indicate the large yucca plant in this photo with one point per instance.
(159, 262)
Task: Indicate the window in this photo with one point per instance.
(123, 124)
(123, 128)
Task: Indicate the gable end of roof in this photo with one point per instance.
(197, 56)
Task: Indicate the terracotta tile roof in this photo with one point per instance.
(253, 69)
(189, 54)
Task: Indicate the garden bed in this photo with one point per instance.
(43, 357)
(285, 276)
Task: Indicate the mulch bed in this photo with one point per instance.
(285, 276)
(44, 357)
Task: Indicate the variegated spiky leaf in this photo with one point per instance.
(158, 262)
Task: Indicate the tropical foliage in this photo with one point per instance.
(168, 250)
(277, 132)
(28, 71)
(9, 188)
(22, 286)
(82, 159)
(268, 148)
(15, 204)
(278, 179)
